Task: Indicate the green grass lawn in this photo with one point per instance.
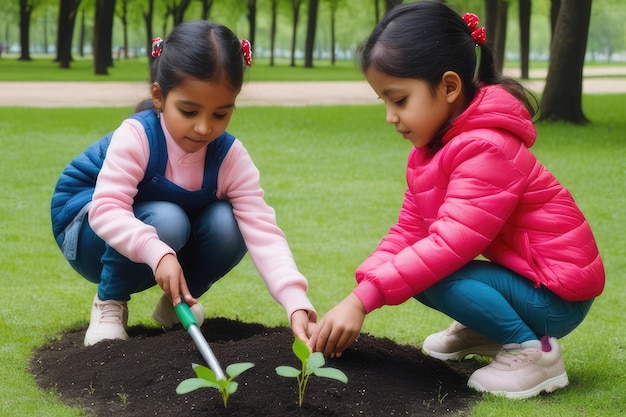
(335, 176)
(42, 68)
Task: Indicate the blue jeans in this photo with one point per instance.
(208, 246)
(502, 305)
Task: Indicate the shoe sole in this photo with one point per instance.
(489, 351)
(90, 340)
(549, 385)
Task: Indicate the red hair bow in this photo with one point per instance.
(157, 47)
(246, 48)
(479, 34)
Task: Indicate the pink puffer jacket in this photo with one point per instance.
(483, 193)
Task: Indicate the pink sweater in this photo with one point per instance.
(111, 213)
(484, 193)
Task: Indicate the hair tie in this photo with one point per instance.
(157, 47)
(246, 48)
(479, 34)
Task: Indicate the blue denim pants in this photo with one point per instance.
(208, 246)
(502, 305)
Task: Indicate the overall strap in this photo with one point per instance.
(216, 152)
(156, 141)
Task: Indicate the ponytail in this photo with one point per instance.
(488, 74)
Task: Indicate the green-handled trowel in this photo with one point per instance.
(191, 325)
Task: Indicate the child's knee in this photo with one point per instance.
(169, 219)
(217, 221)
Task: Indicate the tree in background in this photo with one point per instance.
(207, 5)
(147, 13)
(525, 7)
(555, 6)
(607, 32)
(311, 25)
(562, 94)
(496, 14)
(26, 10)
(251, 15)
(177, 11)
(295, 8)
(81, 40)
(273, 27)
(68, 9)
(333, 5)
(103, 36)
(122, 14)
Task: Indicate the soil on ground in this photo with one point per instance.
(138, 377)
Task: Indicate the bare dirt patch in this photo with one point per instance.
(138, 377)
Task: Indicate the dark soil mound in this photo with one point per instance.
(138, 377)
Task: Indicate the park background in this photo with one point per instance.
(334, 175)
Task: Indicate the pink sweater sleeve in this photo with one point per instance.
(111, 213)
(239, 183)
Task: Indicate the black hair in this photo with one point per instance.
(423, 40)
(198, 49)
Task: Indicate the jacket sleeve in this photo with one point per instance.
(239, 183)
(484, 187)
(408, 230)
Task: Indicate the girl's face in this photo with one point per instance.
(195, 112)
(417, 113)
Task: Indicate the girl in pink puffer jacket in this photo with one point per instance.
(474, 188)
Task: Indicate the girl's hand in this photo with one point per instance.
(302, 325)
(339, 328)
(169, 275)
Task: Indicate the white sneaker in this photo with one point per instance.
(164, 313)
(523, 373)
(108, 321)
(457, 341)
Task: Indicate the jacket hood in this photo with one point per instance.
(495, 108)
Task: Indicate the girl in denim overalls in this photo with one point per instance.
(171, 198)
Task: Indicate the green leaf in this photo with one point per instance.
(236, 369)
(301, 349)
(287, 371)
(192, 384)
(222, 383)
(331, 373)
(232, 387)
(316, 361)
(204, 373)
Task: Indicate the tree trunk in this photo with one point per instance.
(147, 20)
(123, 15)
(45, 34)
(562, 94)
(503, 13)
(376, 12)
(207, 5)
(102, 36)
(555, 6)
(252, 21)
(26, 9)
(67, 20)
(273, 31)
(81, 42)
(491, 22)
(296, 15)
(333, 54)
(309, 45)
(524, 24)
(178, 11)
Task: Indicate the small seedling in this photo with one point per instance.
(312, 363)
(207, 379)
